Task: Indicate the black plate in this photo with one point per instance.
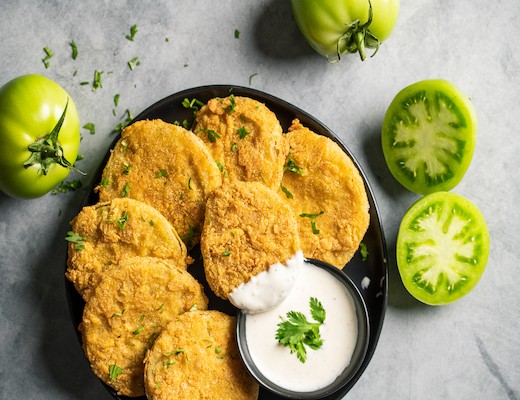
(170, 109)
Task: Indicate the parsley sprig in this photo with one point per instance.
(297, 332)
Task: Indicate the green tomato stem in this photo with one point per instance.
(358, 37)
(47, 150)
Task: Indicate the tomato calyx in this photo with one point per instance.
(47, 150)
(357, 38)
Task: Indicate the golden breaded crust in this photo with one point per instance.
(329, 182)
(247, 229)
(126, 312)
(116, 230)
(196, 357)
(250, 145)
(166, 166)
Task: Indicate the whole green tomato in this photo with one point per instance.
(336, 27)
(39, 136)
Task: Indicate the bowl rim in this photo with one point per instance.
(350, 370)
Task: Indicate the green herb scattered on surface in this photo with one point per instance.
(74, 49)
(97, 82)
(193, 104)
(134, 62)
(48, 56)
(67, 186)
(133, 31)
(89, 126)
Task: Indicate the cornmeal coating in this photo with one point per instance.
(196, 357)
(245, 137)
(327, 194)
(166, 166)
(109, 232)
(126, 312)
(247, 228)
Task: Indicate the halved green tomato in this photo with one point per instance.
(442, 248)
(428, 136)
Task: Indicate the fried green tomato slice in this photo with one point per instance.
(166, 166)
(428, 136)
(327, 194)
(105, 233)
(196, 357)
(245, 139)
(129, 308)
(442, 248)
(247, 229)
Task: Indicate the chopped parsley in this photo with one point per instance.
(313, 220)
(234, 147)
(133, 31)
(293, 167)
(114, 371)
(127, 118)
(67, 186)
(251, 78)
(176, 352)
(212, 134)
(48, 56)
(125, 191)
(221, 168)
(161, 174)
(231, 107)
(119, 314)
(192, 104)
(89, 126)
(363, 251)
(134, 62)
(286, 191)
(138, 330)
(226, 253)
(185, 124)
(76, 239)
(74, 49)
(297, 332)
(104, 182)
(97, 82)
(237, 34)
(116, 99)
(121, 222)
(168, 363)
(242, 132)
(126, 169)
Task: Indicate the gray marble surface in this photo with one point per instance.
(466, 350)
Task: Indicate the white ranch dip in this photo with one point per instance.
(339, 333)
(267, 289)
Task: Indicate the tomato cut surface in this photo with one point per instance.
(428, 136)
(442, 248)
